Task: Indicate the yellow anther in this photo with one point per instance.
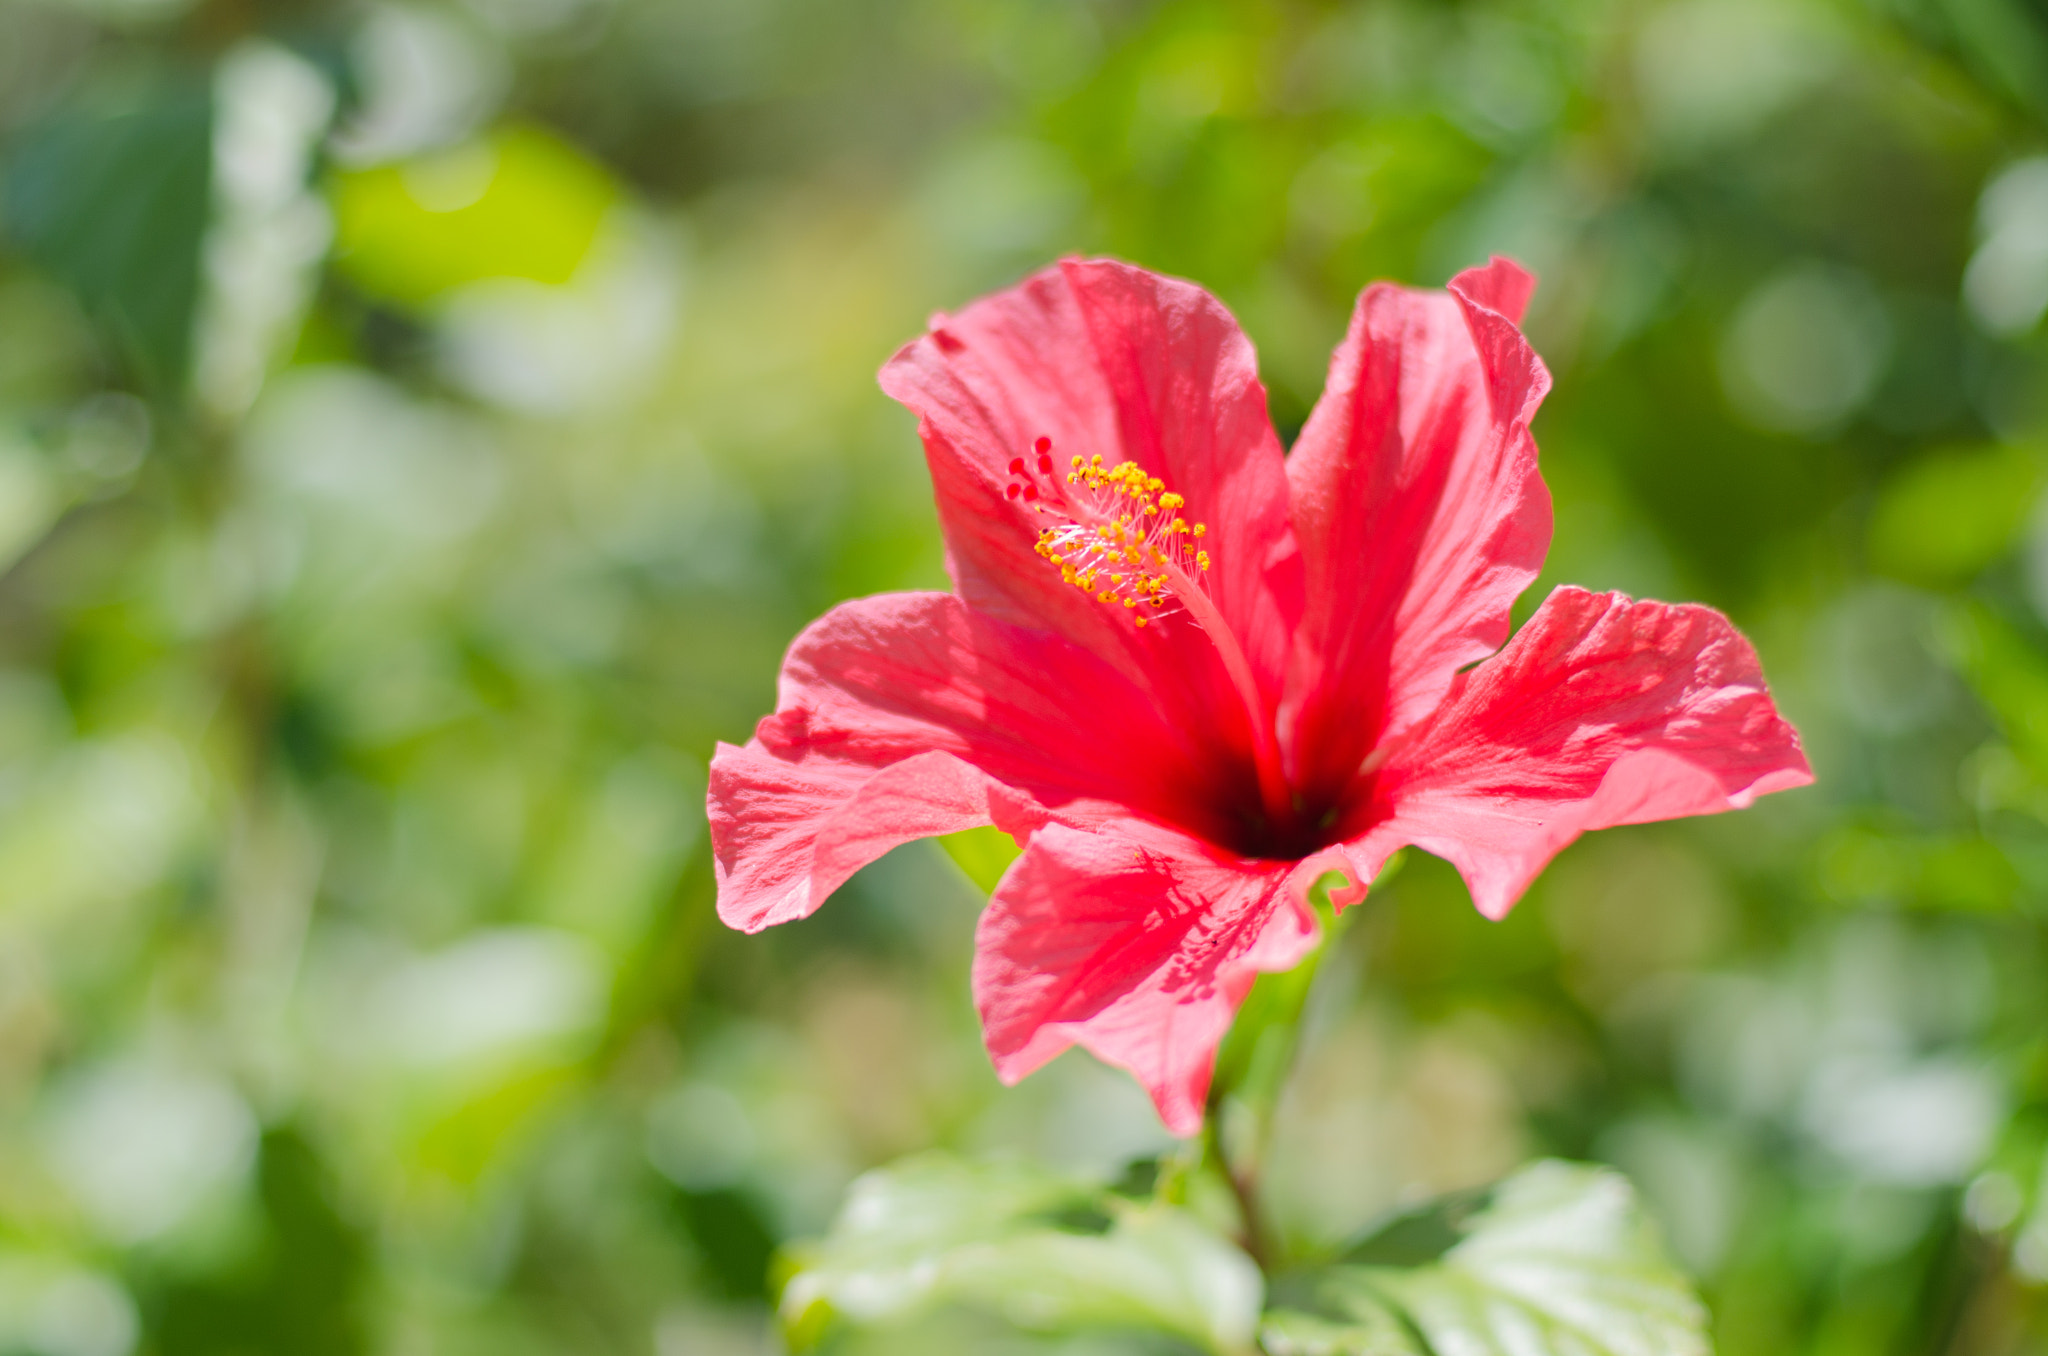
(1119, 536)
(1201, 529)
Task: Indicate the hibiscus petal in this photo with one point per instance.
(1601, 711)
(1110, 360)
(1137, 943)
(881, 678)
(1419, 511)
(1184, 381)
(902, 716)
(786, 832)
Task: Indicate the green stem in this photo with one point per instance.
(1244, 1186)
(1253, 1068)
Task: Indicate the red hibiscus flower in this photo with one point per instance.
(1191, 673)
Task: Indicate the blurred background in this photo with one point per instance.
(422, 427)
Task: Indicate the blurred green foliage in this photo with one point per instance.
(518, 204)
(422, 427)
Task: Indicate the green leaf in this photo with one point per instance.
(1946, 516)
(1045, 1253)
(983, 853)
(1369, 1329)
(1558, 1260)
(520, 203)
(2008, 674)
(115, 207)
